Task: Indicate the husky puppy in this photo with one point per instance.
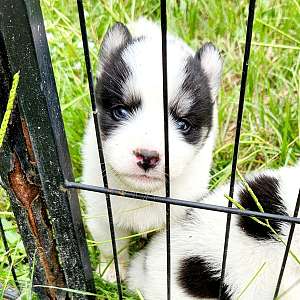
(254, 253)
(129, 96)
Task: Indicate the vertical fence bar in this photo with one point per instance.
(48, 205)
(99, 142)
(163, 18)
(288, 246)
(251, 10)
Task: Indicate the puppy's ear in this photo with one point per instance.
(211, 63)
(116, 37)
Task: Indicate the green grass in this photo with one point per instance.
(271, 122)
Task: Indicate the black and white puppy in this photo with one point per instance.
(129, 96)
(254, 255)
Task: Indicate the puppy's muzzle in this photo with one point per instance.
(146, 159)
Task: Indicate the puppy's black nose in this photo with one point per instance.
(146, 159)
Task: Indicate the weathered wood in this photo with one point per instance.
(20, 178)
(34, 161)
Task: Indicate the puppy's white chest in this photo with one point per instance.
(141, 216)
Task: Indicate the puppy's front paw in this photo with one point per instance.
(109, 273)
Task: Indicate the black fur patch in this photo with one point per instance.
(266, 189)
(109, 91)
(200, 113)
(199, 280)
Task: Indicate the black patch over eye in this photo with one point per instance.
(183, 125)
(198, 112)
(120, 113)
(114, 107)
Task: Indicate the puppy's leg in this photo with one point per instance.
(100, 230)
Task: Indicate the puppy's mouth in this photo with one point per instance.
(142, 182)
(145, 178)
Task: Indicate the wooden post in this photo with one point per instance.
(34, 161)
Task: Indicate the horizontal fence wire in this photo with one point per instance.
(163, 20)
(237, 134)
(99, 142)
(7, 250)
(288, 246)
(181, 202)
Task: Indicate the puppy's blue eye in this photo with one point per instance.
(183, 125)
(120, 113)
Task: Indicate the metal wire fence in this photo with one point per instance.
(32, 16)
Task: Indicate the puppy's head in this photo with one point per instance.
(129, 95)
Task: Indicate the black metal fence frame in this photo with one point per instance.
(35, 39)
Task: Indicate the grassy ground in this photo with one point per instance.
(271, 123)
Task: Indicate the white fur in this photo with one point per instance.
(189, 165)
(204, 236)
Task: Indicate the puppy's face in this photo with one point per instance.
(129, 95)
